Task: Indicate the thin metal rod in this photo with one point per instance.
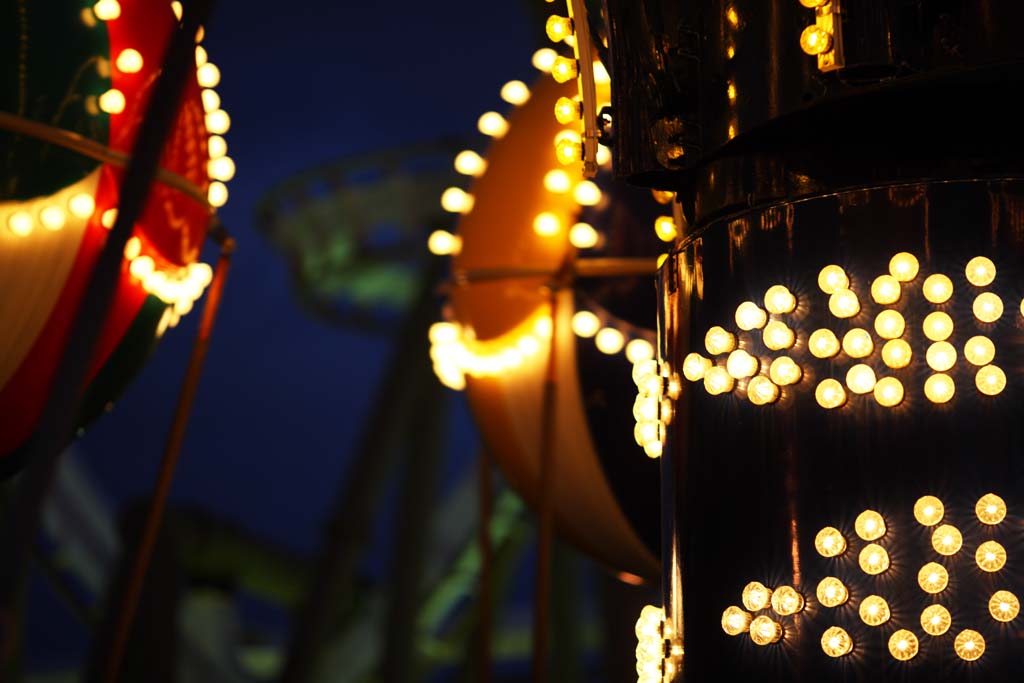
(584, 52)
(486, 569)
(580, 268)
(172, 452)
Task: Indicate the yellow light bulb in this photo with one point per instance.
(564, 69)
(904, 266)
(221, 168)
(873, 559)
(969, 645)
(764, 631)
(492, 124)
(732, 17)
(830, 394)
(107, 10)
(646, 432)
(836, 642)
(653, 449)
(603, 156)
(784, 371)
(218, 122)
(889, 392)
(844, 303)
(1004, 606)
(515, 93)
(979, 350)
(547, 224)
(941, 356)
(20, 223)
(568, 151)
(177, 9)
(718, 341)
(833, 278)
(640, 370)
(665, 228)
(741, 364)
(468, 162)
(815, 40)
(557, 181)
(663, 196)
(750, 317)
(141, 267)
(217, 194)
(939, 388)
(587, 193)
(937, 326)
(857, 343)
(583, 236)
(830, 542)
(786, 601)
(108, 218)
(456, 200)
(928, 510)
(216, 146)
(129, 61)
(933, 578)
(832, 592)
(936, 620)
(645, 409)
(567, 110)
(896, 353)
(735, 621)
(947, 540)
(609, 340)
(860, 379)
(132, 248)
(869, 525)
(813, 4)
(585, 324)
(695, 366)
(208, 75)
(988, 307)
(778, 299)
(638, 350)
(762, 391)
(112, 101)
(990, 380)
(82, 205)
(990, 556)
(874, 610)
(718, 381)
(443, 243)
(937, 288)
(543, 59)
(991, 509)
(52, 217)
(885, 290)
(823, 344)
(557, 28)
(730, 92)
(756, 596)
(903, 645)
(980, 271)
(201, 56)
(778, 335)
(889, 324)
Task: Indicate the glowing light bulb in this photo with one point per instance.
(823, 344)
(869, 525)
(857, 343)
(718, 341)
(638, 350)
(645, 432)
(468, 162)
(732, 17)
(547, 224)
(860, 379)
(663, 196)
(108, 218)
(813, 4)
(832, 592)
(990, 380)
(947, 540)
(990, 556)
(830, 394)
(833, 278)
(456, 200)
(836, 642)
(665, 228)
(936, 620)
(216, 146)
(603, 156)
(786, 601)
(609, 340)
(583, 236)
(557, 181)
(889, 324)
(874, 610)
(129, 61)
(201, 56)
(969, 645)
(784, 371)
(221, 168)
(568, 151)
(762, 391)
(695, 366)
(979, 350)
(903, 645)
(764, 631)
(177, 9)
(567, 110)
(641, 369)
(217, 194)
(492, 124)
(20, 223)
(515, 93)
(1004, 606)
(218, 122)
(885, 289)
(564, 69)
(844, 303)
(749, 316)
(82, 205)
(991, 509)
(730, 92)
(904, 266)
(939, 388)
(873, 559)
(896, 353)
(778, 335)
(141, 267)
(112, 101)
(889, 392)
(937, 326)
(107, 10)
(741, 364)
(933, 578)
(443, 243)
(557, 28)
(941, 356)
(653, 449)
(718, 381)
(132, 248)
(208, 75)
(735, 621)
(937, 288)
(815, 40)
(587, 193)
(988, 307)
(778, 299)
(52, 217)
(756, 596)
(980, 271)
(928, 510)
(645, 409)
(543, 59)
(830, 542)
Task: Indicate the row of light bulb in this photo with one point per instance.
(455, 355)
(657, 387)
(51, 213)
(652, 630)
(179, 288)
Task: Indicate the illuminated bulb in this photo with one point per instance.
(830, 394)
(730, 92)
(903, 266)
(695, 366)
(468, 162)
(583, 236)
(735, 621)
(645, 409)
(112, 101)
(646, 432)
(836, 642)
(218, 122)
(741, 364)
(778, 299)
(980, 271)
(718, 381)
(732, 17)
(456, 200)
(108, 218)
(568, 151)
(564, 69)
(762, 391)
(979, 350)
(638, 350)
(515, 93)
(443, 243)
(991, 509)
(749, 316)
(141, 267)
(129, 61)
(601, 75)
(815, 40)
(813, 4)
(492, 124)
(833, 278)
(823, 344)
(543, 59)
(941, 356)
(947, 540)
(857, 343)
(937, 326)
(889, 392)
(208, 75)
(874, 610)
(860, 379)
(221, 168)
(885, 289)
(969, 645)
(107, 10)
(52, 217)
(603, 156)
(567, 110)
(939, 388)
(756, 596)
(558, 28)
(201, 56)
(641, 369)
(132, 248)
(843, 303)
(869, 525)
(787, 601)
(873, 559)
(784, 371)
(903, 645)
(217, 194)
(177, 9)
(587, 193)
(896, 353)
(650, 385)
(609, 341)
(20, 223)
(216, 146)
(764, 631)
(777, 336)
(936, 620)
(832, 592)
(990, 380)
(82, 205)
(889, 324)
(928, 510)
(937, 288)
(990, 556)
(547, 224)
(988, 307)
(933, 578)
(1004, 606)
(830, 542)
(557, 181)
(718, 341)
(211, 100)
(653, 449)
(665, 228)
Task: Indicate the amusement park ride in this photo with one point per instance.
(732, 297)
